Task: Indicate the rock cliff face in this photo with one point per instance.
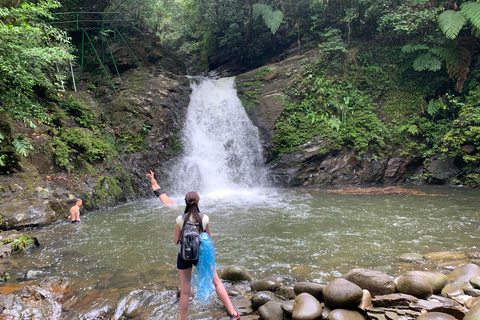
(262, 91)
(149, 103)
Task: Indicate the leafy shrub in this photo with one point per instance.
(76, 147)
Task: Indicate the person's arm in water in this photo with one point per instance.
(157, 190)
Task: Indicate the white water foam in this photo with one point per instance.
(222, 150)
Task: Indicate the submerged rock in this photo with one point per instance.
(265, 285)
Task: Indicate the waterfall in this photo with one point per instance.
(221, 146)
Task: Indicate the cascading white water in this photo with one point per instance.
(222, 149)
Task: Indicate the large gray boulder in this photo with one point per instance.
(342, 294)
(376, 282)
(306, 307)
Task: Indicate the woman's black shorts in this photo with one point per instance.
(185, 264)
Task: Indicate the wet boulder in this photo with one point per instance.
(435, 279)
(344, 314)
(461, 276)
(306, 307)
(236, 273)
(475, 282)
(315, 289)
(285, 291)
(436, 316)
(378, 283)
(287, 307)
(415, 286)
(411, 258)
(272, 310)
(341, 293)
(265, 285)
(452, 290)
(261, 298)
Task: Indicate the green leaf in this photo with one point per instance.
(451, 22)
(22, 146)
(428, 62)
(273, 19)
(410, 48)
(472, 11)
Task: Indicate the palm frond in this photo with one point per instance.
(451, 22)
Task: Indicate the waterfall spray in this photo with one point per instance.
(221, 146)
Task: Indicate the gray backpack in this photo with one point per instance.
(189, 242)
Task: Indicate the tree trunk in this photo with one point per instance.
(217, 14)
(246, 40)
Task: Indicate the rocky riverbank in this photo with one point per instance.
(360, 294)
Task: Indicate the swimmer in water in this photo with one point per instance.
(74, 212)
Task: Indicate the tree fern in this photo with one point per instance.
(451, 22)
(458, 61)
(428, 62)
(410, 48)
(471, 10)
(272, 19)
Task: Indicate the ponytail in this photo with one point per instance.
(191, 209)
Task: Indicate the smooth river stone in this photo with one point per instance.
(411, 257)
(415, 286)
(285, 291)
(435, 279)
(235, 273)
(306, 307)
(315, 289)
(272, 310)
(376, 282)
(461, 276)
(447, 255)
(343, 314)
(261, 298)
(265, 285)
(452, 290)
(436, 316)
(342, 294)
(475, 282)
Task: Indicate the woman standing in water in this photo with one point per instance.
(192, 213)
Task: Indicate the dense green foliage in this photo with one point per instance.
(390, 73)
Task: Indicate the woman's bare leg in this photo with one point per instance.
(185, 277)
(222, 294)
